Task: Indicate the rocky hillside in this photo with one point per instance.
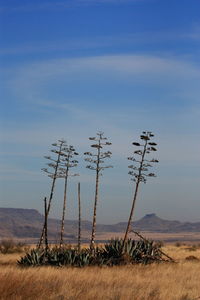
(27, 223)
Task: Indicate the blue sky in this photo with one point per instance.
(70, 68)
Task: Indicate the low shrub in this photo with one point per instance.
(191, 258)
(9, 246)
(192, 247)
(178, 244)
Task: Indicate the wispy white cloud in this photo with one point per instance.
(62, 5)
(65, 45)
(99, 42)
(118, 65)
(22, 154)
(193, 33)
(11, 173)
(105, 41)
(30, 82)
(7, 170)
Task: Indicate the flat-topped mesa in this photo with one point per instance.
(150, 216)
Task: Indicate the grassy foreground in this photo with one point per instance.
(168, 281)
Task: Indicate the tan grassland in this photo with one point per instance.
(186, 237)
(166, 281)
(191, 237)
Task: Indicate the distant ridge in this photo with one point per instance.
(27, 223)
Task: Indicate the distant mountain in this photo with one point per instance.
(27, 223)
(152, 223)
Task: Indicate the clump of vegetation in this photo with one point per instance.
(112, 253)
(192, 247)
(160, 243)
(191, 258)
(36, 257)
(9, 246)
(116, 252)
(178, 244)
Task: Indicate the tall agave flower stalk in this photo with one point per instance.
(139, 171)
(79, 217)
(67, 162)
(45, 225)
(52, 173)
(96, 161)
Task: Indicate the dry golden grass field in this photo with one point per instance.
(166, 281)
(191, 237)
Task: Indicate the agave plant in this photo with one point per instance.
(112, 253)
(83, 259)
(36, 257)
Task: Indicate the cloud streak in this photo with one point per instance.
(193, 34)
(62, 5)
(96, 42)
(30, 84)
(116, 64)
